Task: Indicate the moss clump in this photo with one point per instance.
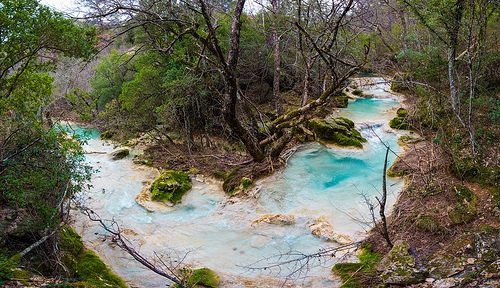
(204, 277)
(357, 92)
(338, 131)
(402, 112)
(107, 135)
(171, 186)
(400, 123)
(463, 194)
(348, 271)
(245, 183)
(459, 215)
(231, 180)
(91, 269)
(220, 175)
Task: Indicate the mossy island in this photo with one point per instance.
(170, 186)
(339, 131)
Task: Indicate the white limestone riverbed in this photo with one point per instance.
(320, 186)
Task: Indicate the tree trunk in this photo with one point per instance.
(277, 60)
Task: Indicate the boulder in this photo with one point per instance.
(120, 154)
(171, 186)
(275, 219)
(398, 266)
(339, 131)
(323, 228)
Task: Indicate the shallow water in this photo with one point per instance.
(319, 184)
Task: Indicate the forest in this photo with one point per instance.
(228, 88)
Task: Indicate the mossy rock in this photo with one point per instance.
(107, 135)
(461, 215)
(463, 194)
(21, 274)
(92, 270)
(171, 186)
(429, 224)
(120, 154)
(400, 123)
(204, 277)
(70, 241)
(357, 92)
(402, 112)
(339, 131)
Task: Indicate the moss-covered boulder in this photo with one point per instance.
(339, 131)
(170, 186)
(465, 208)
(204, 277)
(400, 123)
(402, 112)
(398, 266)
(120, 154)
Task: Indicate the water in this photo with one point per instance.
(320, 187)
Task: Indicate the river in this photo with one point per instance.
(321, 189)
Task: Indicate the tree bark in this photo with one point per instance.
(277, 60)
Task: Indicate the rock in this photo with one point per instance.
(496, 211)
(171, 186)
(322, 228)
(339, 131)
(445, 266)
(275, 219)
(398, 266)
(120, 154)
(448, 283)
(488, 244)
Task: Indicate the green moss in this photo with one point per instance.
(204, 277)
(357, 92)
(347, 267)
(349, 271)
(171, 186)
(6, 268)
(463, 194)
(429, 224)
(16, 258)
(402, 112)
(70, 241)
(245, 183)
(220, 175)
(338, 131)
(21, 274)
(231, 181)
(92, 270)
(460, 215)
(400, 123)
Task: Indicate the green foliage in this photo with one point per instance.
(113, 71)
(6, 268)
(41, 169)
(171, 186)
(27, 29)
